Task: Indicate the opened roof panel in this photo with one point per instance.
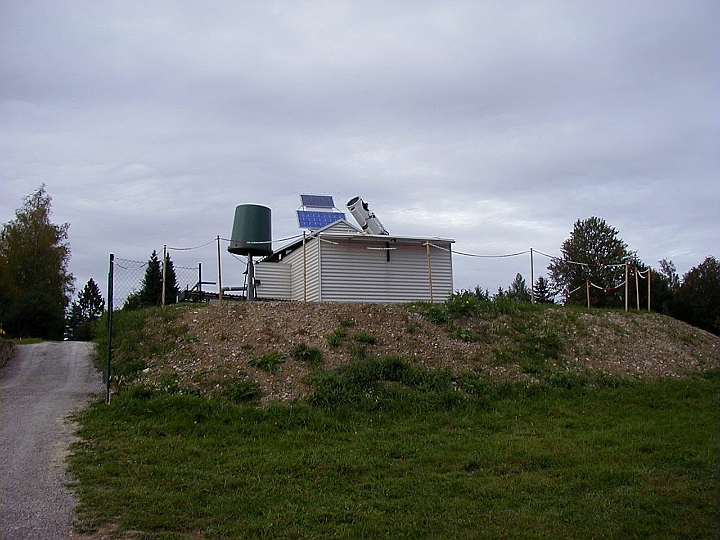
(317, 201)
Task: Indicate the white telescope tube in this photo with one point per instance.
(365, 218)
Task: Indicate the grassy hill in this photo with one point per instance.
(466, 420)
(207, 348)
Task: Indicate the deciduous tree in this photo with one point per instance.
(697, 300)
(35, 285)
(594, 252)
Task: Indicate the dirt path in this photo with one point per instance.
(39, 388)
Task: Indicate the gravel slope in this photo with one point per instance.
(39, 388)
(214, 343)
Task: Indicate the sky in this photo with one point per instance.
(497, 124)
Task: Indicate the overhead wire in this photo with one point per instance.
(641, 273)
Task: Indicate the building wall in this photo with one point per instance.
(303, 288)
(352, 273)
(339, 270)
(273, 280)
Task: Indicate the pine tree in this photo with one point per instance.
(543, 292)
(83, 313)
(482, 294)
(151, 290)
(517, 290)
(171, 287)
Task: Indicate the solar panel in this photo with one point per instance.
(309, 219)
(317, 201)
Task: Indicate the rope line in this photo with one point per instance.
(378, 248)
(635, 270)
(465, 254)
(194, 247)
(569, 261)
(133, 264)
(475, 255)
(260, 242)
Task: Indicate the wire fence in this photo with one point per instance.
(128, 277)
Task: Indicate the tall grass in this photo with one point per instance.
(132, 344)
(590, 459)
(383, 448)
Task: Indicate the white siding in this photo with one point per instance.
(274, 281)
(309, 288)
(339, 267)
(353, 273)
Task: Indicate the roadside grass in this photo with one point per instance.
(132, 345)
(392, 451)
(29, 341)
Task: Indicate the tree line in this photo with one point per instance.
(598, 268)
(36, 287)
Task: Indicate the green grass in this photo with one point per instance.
(132, 346)
(386, 449)
(267, 362)
(404, 453)
(305, 353)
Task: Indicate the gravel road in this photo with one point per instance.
(39, 388)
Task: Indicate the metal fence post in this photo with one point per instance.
(109, 327)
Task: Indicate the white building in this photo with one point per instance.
(340, 263)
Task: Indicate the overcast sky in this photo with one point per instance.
(495, 123)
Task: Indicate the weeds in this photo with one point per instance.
(132, 347)
(242, 390)
(464, 308)
(363, 336)
(336, 337)
(376, 383)
(361, 339)
(311, 355)
(267, 362)
(346, 322)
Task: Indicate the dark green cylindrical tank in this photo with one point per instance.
(251, 233)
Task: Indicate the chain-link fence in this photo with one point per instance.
(128, 276)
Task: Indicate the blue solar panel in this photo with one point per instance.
(317, 220)
(317, 201)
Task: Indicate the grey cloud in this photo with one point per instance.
(496, 124)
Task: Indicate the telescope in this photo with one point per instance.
(364, 216)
